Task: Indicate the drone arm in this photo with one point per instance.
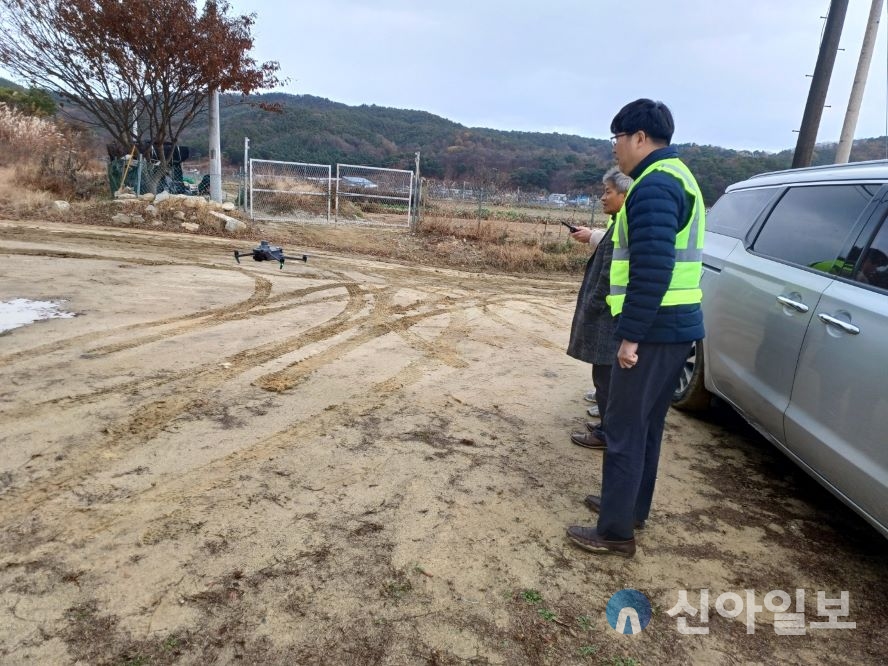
(284, 257)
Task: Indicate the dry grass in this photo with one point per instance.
(17, 201)
(22, 137)
(470, 210)
(486, 247)
(48, 155)
(519, 247)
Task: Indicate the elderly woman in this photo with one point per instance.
(592, 332)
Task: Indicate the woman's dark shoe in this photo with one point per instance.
(588, 440)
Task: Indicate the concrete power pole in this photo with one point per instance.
(826, 58)
(215, 149)
(846, 139)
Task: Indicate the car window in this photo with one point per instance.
(809, 226)
(872, 269)
(734, 212)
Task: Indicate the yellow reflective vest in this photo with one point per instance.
(684, 288)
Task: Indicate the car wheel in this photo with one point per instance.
(690, 394)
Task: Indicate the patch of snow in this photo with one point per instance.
(21, 312)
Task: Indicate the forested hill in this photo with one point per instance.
(313, 129)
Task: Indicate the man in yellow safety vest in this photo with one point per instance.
(655, 297)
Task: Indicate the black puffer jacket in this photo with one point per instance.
(657, 208)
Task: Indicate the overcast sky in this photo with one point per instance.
(733, 72)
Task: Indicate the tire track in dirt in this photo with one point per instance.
(215, 371)
(246, 359)
(216, 318)
(551, 313)
(67, 254)
(188, 488)
(143, 384)
(225, 368)
(538, 339)
(430, 277)
(179, 244)
(241, 310)
(379, 323)
(149, 420)
(261, 292)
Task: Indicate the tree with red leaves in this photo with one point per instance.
(149, 64)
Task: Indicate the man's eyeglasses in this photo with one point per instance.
(617, 136)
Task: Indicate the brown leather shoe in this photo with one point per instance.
(594, 503)
(592, 426)
(588, 440)
(588, 538)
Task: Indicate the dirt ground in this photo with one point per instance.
(357, 462)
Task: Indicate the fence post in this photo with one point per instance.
(246, 171)
(336, 205)
(414, 220)
(251, 187)
(139, 176)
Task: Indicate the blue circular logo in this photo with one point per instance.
(628, 611)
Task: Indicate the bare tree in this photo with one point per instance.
(154, 62)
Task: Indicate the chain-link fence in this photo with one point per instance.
(289, 190)
(502, 196)
(302, 192)
(359, 194)
(484, 209)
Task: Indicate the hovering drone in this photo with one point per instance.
(266, 252)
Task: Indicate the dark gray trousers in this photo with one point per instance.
(601, 375)
(636, 414)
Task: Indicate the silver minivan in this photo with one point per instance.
(795, 301)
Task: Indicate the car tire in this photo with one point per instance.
(691, 394)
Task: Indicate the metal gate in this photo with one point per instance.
(289, 191)
(388, 192)
(298, 191)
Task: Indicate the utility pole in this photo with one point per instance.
(215, 149)
(826, 58)
(846, 139)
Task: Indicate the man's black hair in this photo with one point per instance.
(653, 118)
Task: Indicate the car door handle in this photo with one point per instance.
(844, 325)
(795, 305)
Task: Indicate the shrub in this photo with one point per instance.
(48, 155)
